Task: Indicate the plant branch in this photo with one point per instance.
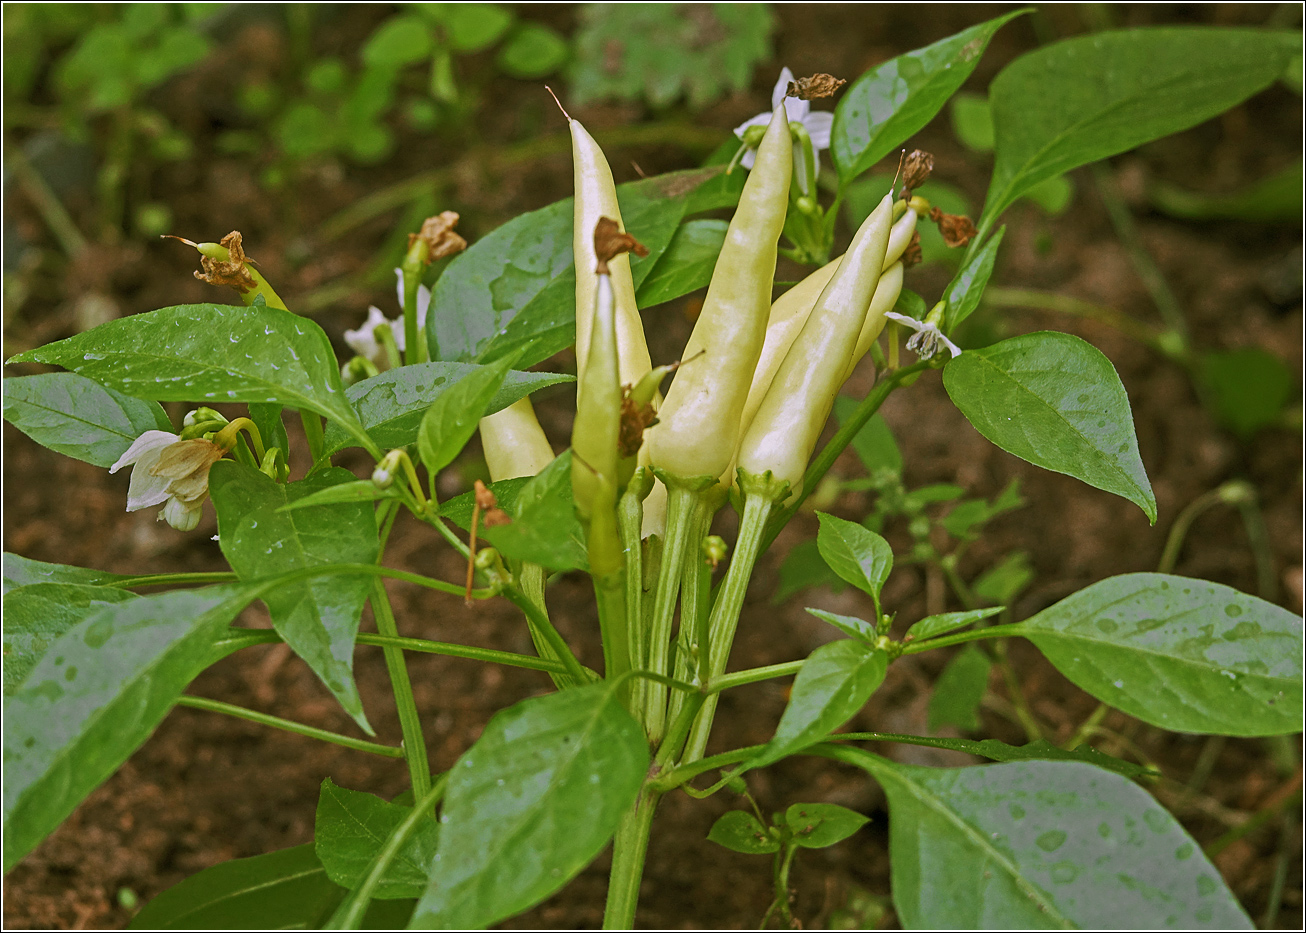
(276, 722)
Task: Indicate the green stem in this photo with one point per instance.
(1259, 537)
(531, 581)
(410, 724)
(610, 595)
(783, 864)
(687, 712)
(629, 848)
(276, 722)
(993, 631)
(630, 518)
(49, 206)
(1087, 727)
(169, 579)
(313, 432)
(725, 614)
(682, 774)
(695, 592)
(682, 502)
(349, 915)
(559, 646)
(1174, 541)
(752, 676)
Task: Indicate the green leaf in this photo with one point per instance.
(283, 890)
(363, 490)
(1053, 194)
(515, 287)
(476, 26)
(804, 567)
(874, 443)
(532, 51)
(459, 509)
(318, 618)
(21, 571)
(834, 683)
(889, 103)
(36, 615)
(820, 825)
(855, 553)
(1273, 199)
(79, 418)
(1004, 582)
(1032, 845)
(972, 121)
(1091, 97)
(1248, 386)
(398, 41)
(959, 690)
(451, 419)
(1181, 654)
(966, 290)
(352, 827)
(966, 517)
(740, 831)
(531, 803)
(1055, 401)
(271, 427)
(851, 626)
(96, 695)
(210, 353)
(1045, 750)
(687, 264)
(544, 528)
(936, 625)
(391, 405)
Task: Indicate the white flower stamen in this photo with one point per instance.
(925, 343)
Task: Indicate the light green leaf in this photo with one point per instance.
(687, 264)
(451, 419)
(476, 26)
(544, 529)
(398, 41)
(740, 831)
(958, 691)
(834, 683)
(79, 418)
(318, 618)
(972, 121)
(352, 827)
(851, 626)
(1038, 845)
(966, 290)
(1056, 401)
(1249, 387)
(936, 625)
(820, 825)
(532, 51)
(96, 695)
(283, 890)
(1181, 654)
(889, 103)
(391, 405)
(855, 553)
(1091, 97)
(532, 803)
(36, 615)
(1004, 582)
(21, 571)
(210, 353)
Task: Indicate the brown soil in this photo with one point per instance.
(206, 789)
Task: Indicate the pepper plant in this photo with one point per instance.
(1067, 836)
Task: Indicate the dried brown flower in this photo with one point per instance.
(911, 256)
(610, 241)
(496, 517)
(231, 272)
(916, 169)
(438, 232)
(635, 420)
(957, 229)
(818, 85)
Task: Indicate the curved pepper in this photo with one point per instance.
(514, 442)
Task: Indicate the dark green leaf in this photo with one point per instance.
(687, 264)
(889, 103)
(451, 419)
(532, 51)
(804, 567)
(1181, 654)
(36, 615)
(820, 825)
(79, 418)
(851, 626)
(318, 618)
(958, 691)
(944, 622)
(1274, 199)
(544, 529)
(283, 890)
(740, 831)
(531, 803)
(964, 294)
(1003, 583)
(210, 353)
(351, 829)
(1043, 749)
(515, 288)
(874, 443)
(1038, 844)
(1248, 386)
(21, 571)
(1056, 401)
(95, 696)
(391, 405)
(834, 683)
(1087, 98)
(271, 428)
(855, 553)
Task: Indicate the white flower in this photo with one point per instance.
(363, 341)
(171, 471)
(817, 123)
(925, 342)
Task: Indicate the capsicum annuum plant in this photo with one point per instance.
(1043, 835)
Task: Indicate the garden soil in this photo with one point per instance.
(207, 788)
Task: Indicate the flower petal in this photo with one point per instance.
(423, 304)
(150, 440)
(952, 347)
(749, 158)
(818, 124)
(762, 119)
(145, 488)
(781, 86)
(904, 319)
(399, 287)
